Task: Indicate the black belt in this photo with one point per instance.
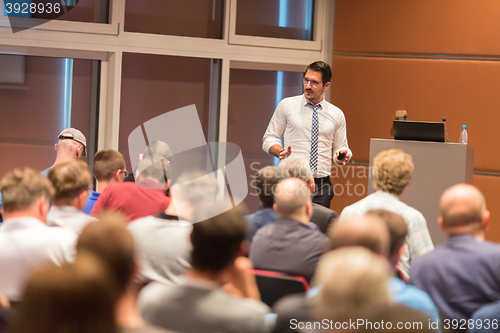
(317, 180)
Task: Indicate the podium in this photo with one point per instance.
(438, 165)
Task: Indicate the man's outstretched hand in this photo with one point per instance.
(342, 157)
(285, 153)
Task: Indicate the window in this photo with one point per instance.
(51, 95)
(192, 18)
(253, 96)
(153, 85)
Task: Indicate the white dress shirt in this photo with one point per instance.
(293, 118)
(26, 244)
(68, 217)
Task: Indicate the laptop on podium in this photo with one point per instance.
(418, 130)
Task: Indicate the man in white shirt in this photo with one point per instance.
(71, 181)
(311, 127)
(163, 241)
(26, 241)
(199, 303)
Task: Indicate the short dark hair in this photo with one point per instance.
(110, 240)
(321, 67)
(106, 163)
(217, 240)
(266, 180)
(398, 230)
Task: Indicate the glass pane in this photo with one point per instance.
(41, 96)
(253, 96)
(153, 85)
(192, 18)
(95, 11)
(289, 19)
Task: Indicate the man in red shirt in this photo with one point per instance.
(144, 197)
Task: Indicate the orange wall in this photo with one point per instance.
(417, 26)
(370, 90)
(350, 184)
(432, 58)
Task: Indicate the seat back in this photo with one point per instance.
(273, 286)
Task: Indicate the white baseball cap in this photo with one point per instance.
(76, 135)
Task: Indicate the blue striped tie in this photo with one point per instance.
(313, 161)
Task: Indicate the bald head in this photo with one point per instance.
(463, 205)
(292, 198)
(69, 149)
(368, 231)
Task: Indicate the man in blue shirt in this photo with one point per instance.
(401, 292)
(264, 183)
(464, 273)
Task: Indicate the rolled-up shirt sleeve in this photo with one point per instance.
(340, 138)
(275, 128)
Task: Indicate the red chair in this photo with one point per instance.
(400, 275)
(273, 286)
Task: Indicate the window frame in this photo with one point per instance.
(314, 45)
(107, 42)
(110, 28)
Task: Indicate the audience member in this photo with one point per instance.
(486, 319)
(368, 231)
(354, 284)
(143, 198)
(163, 244)
(392, 173)
(265, 181)
(71, 181)
(198, 303)
(110, 241)
(401, 292)
(289, 245)
(462, 274)
(73, 298)
(298, 167)
(26, 240)
(71, 145)
(156, 151)
(109, 168)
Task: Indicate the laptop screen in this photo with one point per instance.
(418, 130)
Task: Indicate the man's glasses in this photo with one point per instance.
(125, 173)
(313, 83)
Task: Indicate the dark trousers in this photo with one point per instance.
(324, 191)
